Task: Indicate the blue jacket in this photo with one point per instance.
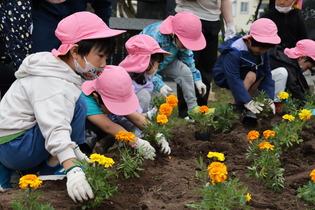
(233, 65)
(166, 44)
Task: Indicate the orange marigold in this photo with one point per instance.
(217, 172)
(266, 145)
(125, 136)
(30, 180)
(312, 174)
(165, 109)
(268, 133)
(161, 119)
(172, 101)
(252, 135)
(204, 109)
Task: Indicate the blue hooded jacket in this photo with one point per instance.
(233, 65)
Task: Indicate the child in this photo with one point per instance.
(43, 106)
(179, 35)
(142, 62)
(243, 66)
(112, 92)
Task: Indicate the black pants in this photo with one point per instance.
(204, 60)
(6, 78)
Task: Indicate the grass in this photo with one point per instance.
(222, 95)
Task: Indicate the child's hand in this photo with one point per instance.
(254, 107)
(145, 148)
(201, 87)
(165, 147)
(165, 90)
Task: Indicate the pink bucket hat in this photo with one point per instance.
(115, 87)
(187, 27)
(80, 26)
(298, 4)
(264, 30)
(140, 48)
(303, 47)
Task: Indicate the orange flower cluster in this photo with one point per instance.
(30, 180)
(125, 136)
(166, 109)
(217, 172)
(252, 135)
(312, 174)
(204, 109)
(266, 145)
(161, 119)
(268, 133)
(172, 101)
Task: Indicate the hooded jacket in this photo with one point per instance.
(45, 93)
(233, 65)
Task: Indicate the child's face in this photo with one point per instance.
(284, 3)
(100, 103)
(256, 50)
(304, 65)
(152, 68)
(96, 58)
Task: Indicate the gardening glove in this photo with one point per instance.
(254, 107)
(151, 113)
(165, 90)
(165, 147)
(230, 31)
(201, 87)
(272, 105)
(77, 186)
(80, 155)
(145, 148)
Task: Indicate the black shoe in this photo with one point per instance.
(249, 119)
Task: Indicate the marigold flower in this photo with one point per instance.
(248, 197)
(217, 172)
(109, 162)
(288, 117)
(305, 114)
(165, 109)
(30, 180)
(125, 136)
(268, 133)
(97, 158)
(283, 95)
(265, 145)
(219, 156)
(172, 101)
(204, 109)
(252, 135)
(312, 174)
(161, 119)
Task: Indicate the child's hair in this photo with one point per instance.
(106, 45)
(139, 78)
(260, 44)
(309, 59)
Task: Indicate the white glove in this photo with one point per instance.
(201, 87)
(165, 147)
(145, 148)
(272, 105)
(165, 90)
(151, 113)
(230, 31)
(254, 107)
(77, 186)
(80, 155)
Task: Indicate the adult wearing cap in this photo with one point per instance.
(243, 65)
(42, 117)
(209, 13)
(179, 35)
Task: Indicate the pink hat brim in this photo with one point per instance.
(195, 45)
(268, 40)
(291, 53)
(136, 63)
(124, 108)
(166, 26)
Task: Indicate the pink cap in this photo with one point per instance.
(303, 47)
(140, 48)
(298, 4)
(264, 30)
(187, 27)
(80, 26)
(115, 87)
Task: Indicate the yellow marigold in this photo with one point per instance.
(283, 95)
(219, 156)
(30, 180)
(97, 158)
(312, 174)
(248, 197)
(125, 136)
(288, 117)
(268, 133)
(109, 162)
(204, 109)
(252, 135)
(217, 172)
(305, 114)
(165, 109)
(161, 119)
(265, 145)
(172, 101)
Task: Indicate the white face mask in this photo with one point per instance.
(90, 72)
(151, 75)
(284, 9)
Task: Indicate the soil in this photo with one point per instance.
(169, 183)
